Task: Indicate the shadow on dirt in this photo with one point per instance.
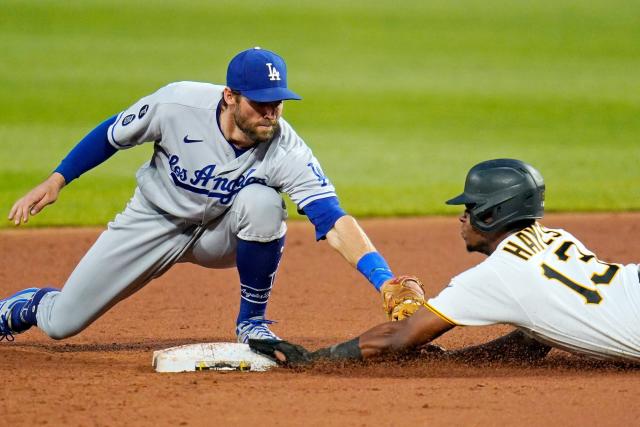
(559, 363)
(112, 347)
(414, 365)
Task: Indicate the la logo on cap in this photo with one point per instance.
(246, 74)
(274, 74)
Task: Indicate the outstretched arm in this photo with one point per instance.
(401, 296)
(343, 233)
(349, 240)
(513, 347)
(386, 338)
(398, 337)
(393, 337)
(92, 150)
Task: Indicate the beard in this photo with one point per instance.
(482, 247)
(474, 247)
(251, 130)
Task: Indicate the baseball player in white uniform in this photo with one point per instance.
(210, 195)
(545, 282)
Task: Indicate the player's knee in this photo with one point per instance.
(261, 213)
(60, 332)
(63, 324)
(57, 335)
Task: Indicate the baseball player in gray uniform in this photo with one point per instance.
(543, 281)
(209, 195)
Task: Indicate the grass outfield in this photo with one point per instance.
(400, 98)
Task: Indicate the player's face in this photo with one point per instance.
(474, 239)
(258, 120)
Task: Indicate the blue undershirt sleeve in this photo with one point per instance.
(92, 150)
(323, 214)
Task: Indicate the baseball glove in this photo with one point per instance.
(402, 296)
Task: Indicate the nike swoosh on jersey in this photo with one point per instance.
(190, 141)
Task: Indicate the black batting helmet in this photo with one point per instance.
(500, 192)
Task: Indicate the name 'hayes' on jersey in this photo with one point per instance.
(547, 283)
(194, 172)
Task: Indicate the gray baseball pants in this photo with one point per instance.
(142, 242)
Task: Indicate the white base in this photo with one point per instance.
(218, 356)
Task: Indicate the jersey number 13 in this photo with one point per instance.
(591, 296)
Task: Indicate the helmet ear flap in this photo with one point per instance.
(482, 217)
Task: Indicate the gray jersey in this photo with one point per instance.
(194, 173)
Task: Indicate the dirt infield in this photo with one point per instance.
(104, 376)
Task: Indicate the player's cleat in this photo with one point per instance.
(255, 328)
(18, 312)
(10, 308)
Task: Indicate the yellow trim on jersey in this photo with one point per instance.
(440, 315)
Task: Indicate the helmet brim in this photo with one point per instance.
(462, 199)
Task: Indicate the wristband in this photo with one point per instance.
(375, 269)
(346, 350)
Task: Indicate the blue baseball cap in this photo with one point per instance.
(260, 75)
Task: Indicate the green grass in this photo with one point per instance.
(400, 98)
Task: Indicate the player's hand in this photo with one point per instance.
(283, 353)
(35, 200)
(402, 296)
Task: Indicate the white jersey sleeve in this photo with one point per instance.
(477, 297)
(299, 174)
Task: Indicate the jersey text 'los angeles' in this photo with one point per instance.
(194, 172)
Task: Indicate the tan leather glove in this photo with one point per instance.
(402, 296)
